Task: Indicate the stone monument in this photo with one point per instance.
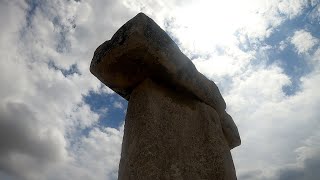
(176, 126)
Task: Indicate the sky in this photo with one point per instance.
(58, 122)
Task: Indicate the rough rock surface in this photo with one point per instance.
(141, 57)
(172, 135)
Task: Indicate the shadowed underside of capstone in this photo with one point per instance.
(141, 57)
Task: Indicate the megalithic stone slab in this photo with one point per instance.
(140, 49)
(141, 58)
(170, 134)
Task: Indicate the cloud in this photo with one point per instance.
(281, 129)
(291, 8)
(213, 25)
(303, 41)
(283, 44)
(99, 153)
(95, 156)
(25, 145)
(117, 104)
(304, 168)
(43, 115)
(316, 58)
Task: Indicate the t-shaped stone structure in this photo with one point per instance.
(176, 125)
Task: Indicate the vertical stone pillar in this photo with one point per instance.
(176, 125)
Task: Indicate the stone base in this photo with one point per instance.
(172, 135)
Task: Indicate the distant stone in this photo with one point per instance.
(176, 125)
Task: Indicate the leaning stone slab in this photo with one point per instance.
(140, 59)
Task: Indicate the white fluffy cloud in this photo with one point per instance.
(286, 134)
(303, 41)
(117, 104)
(95, 156)
(48, 132)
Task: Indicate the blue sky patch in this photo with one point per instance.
(73, 69)
(108, 107)
(294, 65)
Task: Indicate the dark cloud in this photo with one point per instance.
(309, 170)
(250, 175)
(5, 176)
(293, 173)
(21, 136)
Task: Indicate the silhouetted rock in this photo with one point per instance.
(176, 124)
